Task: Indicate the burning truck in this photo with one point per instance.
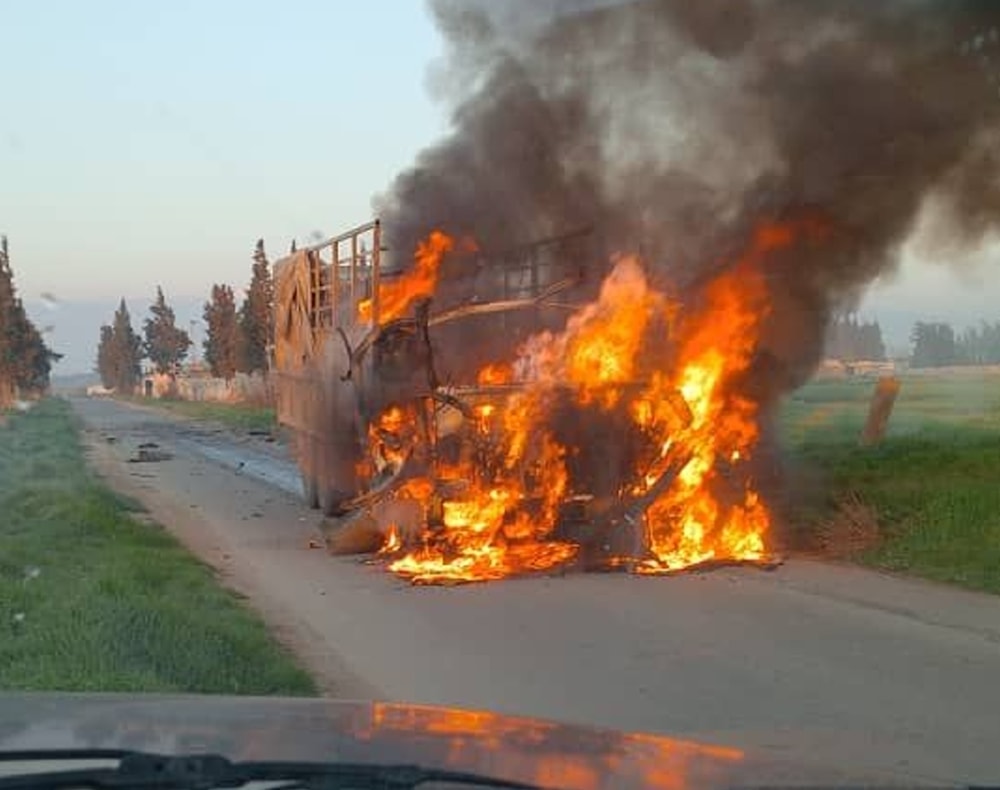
(607, 399)
(535, 409)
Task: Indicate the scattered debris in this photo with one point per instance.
(358, 533)
(148, 456)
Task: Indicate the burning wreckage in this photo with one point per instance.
(533, 410)
(605, 400)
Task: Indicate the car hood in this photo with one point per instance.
(248, 728)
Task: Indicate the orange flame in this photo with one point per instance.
(396, 296)
(673, 372)
(391, 438)
(692, 523)
(393, 542)
(488, 534)
(603, 342)
(497, 373)
(698, 519)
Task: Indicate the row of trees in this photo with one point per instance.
(25, 359)
(236, 340)
(851, 340)
(980, 345)
(120, 352)
(937, 345)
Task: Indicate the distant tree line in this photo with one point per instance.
(25, 359)
(222, 341)
(851, 340)
(980, 345)
(236, 338)
(937, 344)
(120, 353)
(934, 344)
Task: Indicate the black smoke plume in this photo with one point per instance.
(676, 126)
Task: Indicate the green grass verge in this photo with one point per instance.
(933, 486)
(93, 600)
(239, 416)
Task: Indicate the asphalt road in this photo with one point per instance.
(826, 664)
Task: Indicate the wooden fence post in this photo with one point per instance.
(883, 399)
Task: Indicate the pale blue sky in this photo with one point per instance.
(146, 142)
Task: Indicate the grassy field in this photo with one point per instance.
(92, 599)
(234, 415)
(928, 498)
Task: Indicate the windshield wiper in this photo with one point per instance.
(145, 771)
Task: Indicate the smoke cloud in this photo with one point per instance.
(675, 127)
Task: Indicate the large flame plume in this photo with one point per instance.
(395, 296)
(666, 374)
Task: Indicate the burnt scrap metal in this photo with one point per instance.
(338, 366)
(385, 389)
(613, 536)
